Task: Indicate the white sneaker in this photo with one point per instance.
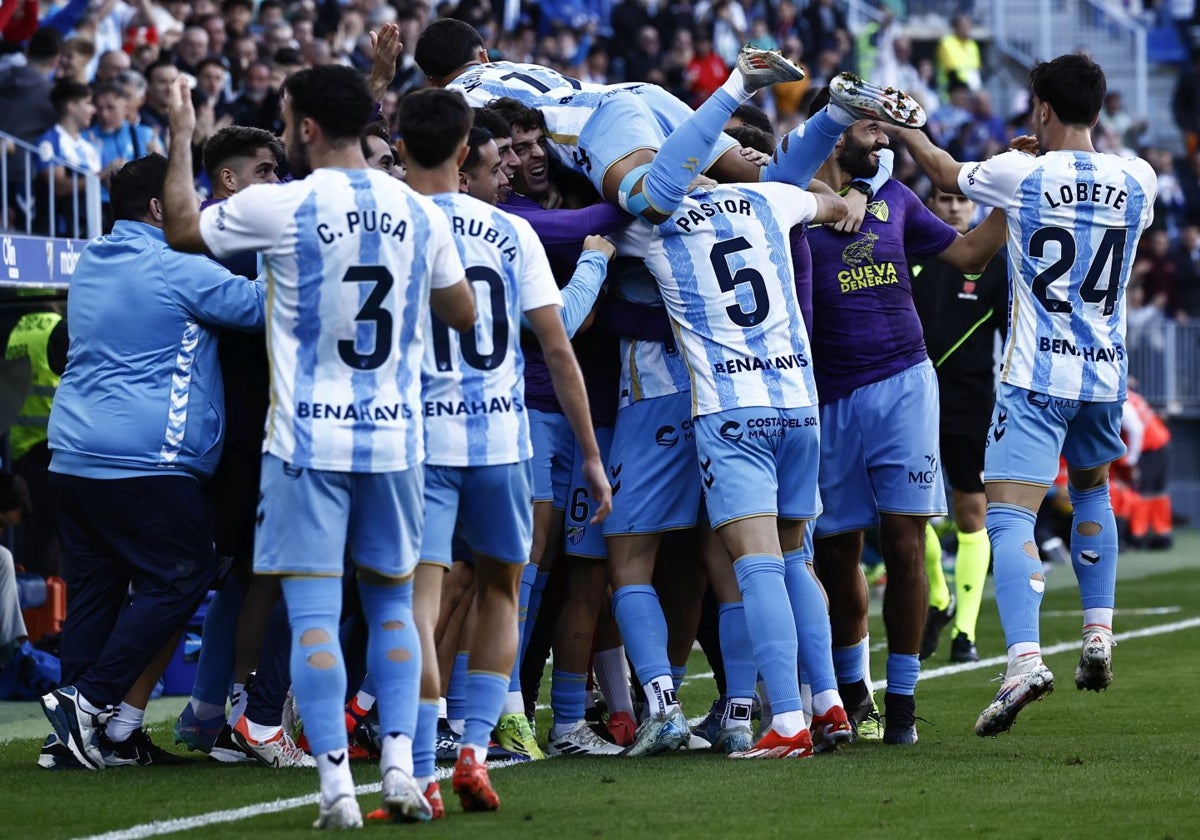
(1017, 692)
(871, 102)
(582, 741)
(763, 68)
(277, 751)
(402, 797)
(343, 812)
(1094, 671)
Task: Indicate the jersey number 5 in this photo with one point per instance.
(729, 281)
(1111, 252)
(470, 342)
(372, 313)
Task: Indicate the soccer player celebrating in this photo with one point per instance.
(1074, 219)
(354, 258)
(477, 431)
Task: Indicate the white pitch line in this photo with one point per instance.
(161, 827)
(1131, 611)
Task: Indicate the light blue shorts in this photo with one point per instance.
(582, 538)
(308, 519)
(652, 467)
(491, 508)
(759, 461)
(632, 119)
(1029, 430)
(553, 454)
(879, 452)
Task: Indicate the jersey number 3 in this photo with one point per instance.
(371, 313)
(1111, 253)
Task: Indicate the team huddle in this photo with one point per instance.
(733, 385)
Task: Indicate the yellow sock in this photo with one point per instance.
(970, 575)
(939, 592)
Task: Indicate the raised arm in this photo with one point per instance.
(971, 252)
(936, 163)
(181, 210)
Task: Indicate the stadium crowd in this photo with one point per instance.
(626, 216)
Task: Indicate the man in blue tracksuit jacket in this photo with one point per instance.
(137, 425)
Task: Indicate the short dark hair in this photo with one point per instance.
(205, 62)
(751, 114)
(236, 141)
(65, 92)
(135, 183)
(110, 89)
(45, 44)
(14, 494)
(375, 128)
(334, 97)
(517, 114)
(156, 66)
(753, 137)
(446, 45)
(493, 122)
(433, 122)
(1073, 85)
(476, 138)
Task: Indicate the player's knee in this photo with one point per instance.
(631, 194)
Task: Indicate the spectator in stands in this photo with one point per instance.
(25, 108)
(258, 103)
(1115, 119)
(1154, 270)
(212, 80)
(14, 508)
(133, 511)
(789, 96)
(66, 143)
(191, 50)
(116, 140)
(1185, 104)
(826, 28)
(1187, 266)
(706, 71)
(159, 78)
(948, 121)
(730, 29)
(237, 15)
(111, 64)
(644, 63)
(73, 64)
(958, 55)
(895, 68)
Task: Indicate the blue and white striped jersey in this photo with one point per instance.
(723, 264)
(473, 385)
(350, 257)
(1074, 219)
(565, 103)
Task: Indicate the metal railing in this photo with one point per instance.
(19, 210)
(1164, 365)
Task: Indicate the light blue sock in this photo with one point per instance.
(568, 695)
(456, 691)
(313, 605)
(772, 628)
(424, 742)
(803, 149)
(813, 633)
(218, 650)
(528, 576)
(1094, 557)
(902, 671)
(485, 699)
(736, 651)
(678, 672)
(393, 655)
(1018, 576)
(531, 609)
(683, 154)
(848, 663)
(643, 627)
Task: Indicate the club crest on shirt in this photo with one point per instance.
(861, 251)
(878, 209)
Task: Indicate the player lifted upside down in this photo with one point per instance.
(1074, 219)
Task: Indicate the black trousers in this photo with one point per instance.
(138, 556)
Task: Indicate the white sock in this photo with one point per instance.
(237, 702)
(735, 86)
(206, 711)
(737, 712)
(365, 701)
(866, 656)
(612, 674)
(1099, 616)
(480, 752)
(825, 700)
(425, 781)
(514, 703)
(788, 724)
(442, 708)
(396, 751)
(560, 729)
(1023, 656)
(806, 698)
(261, 732)
(124, 723)
(840, 115)
(457, 725)
(334, 770)
(660, 695)
(87, 705)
